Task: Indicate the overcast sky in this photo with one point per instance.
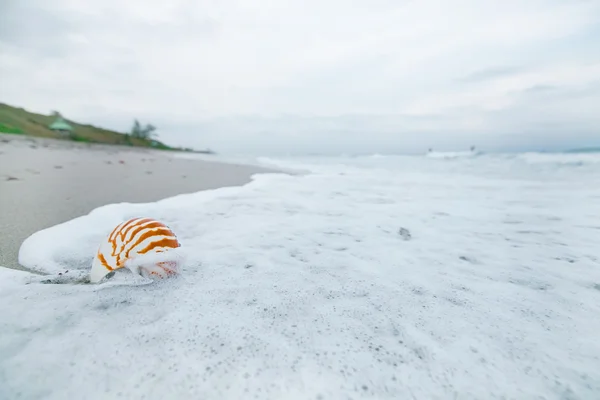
(330, 76)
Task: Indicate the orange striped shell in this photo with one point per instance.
(132, 238)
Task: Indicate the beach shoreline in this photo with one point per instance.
(45, 182)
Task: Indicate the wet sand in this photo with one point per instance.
(46, 182)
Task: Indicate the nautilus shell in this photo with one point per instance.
(137, 244)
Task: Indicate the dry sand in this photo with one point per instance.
(46, 182)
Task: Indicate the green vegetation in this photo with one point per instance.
(20, 121)
(146, 132)
(76, 138)
(5, 128)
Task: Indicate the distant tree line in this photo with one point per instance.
(147, 132)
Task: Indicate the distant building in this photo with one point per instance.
(61, 126)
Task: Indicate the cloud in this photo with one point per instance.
(490, 73)
(310, 75)
(540, 89)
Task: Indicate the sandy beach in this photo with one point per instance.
(47, 182)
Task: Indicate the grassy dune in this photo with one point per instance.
(20, 121)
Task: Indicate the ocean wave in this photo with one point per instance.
(452, 154)
(576, 159)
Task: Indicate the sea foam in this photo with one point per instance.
(371, 277)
